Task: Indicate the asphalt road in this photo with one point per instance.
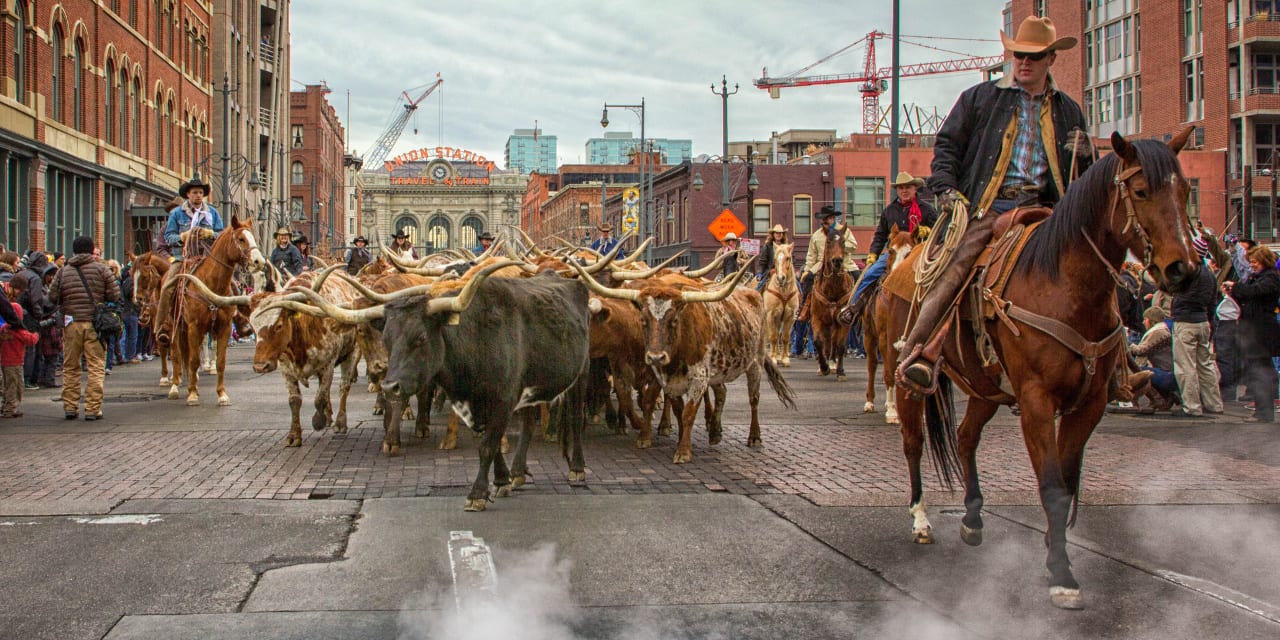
(165, 521)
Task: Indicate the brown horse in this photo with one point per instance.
(235, 246)
(875, 324)
(831, 290)
(781, 297)
(149, 270)
(1054, 333)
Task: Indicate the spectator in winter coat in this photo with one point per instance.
(1259, 333)
(79, 337)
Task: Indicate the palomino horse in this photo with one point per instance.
(875, 321)
(831, 291)
(235, 246)
(781, 298)
(1056, 334)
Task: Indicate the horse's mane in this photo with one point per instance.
(1087, 203)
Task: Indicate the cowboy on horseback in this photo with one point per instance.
(191, 229)
(813, 258)
(1007, 143)
(906, 212)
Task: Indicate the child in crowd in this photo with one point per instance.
(14, 341)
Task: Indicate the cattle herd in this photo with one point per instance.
(550, 335)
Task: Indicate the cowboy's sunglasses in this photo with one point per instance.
(1035, 57)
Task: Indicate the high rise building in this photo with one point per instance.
(528, 150)
(618, 147)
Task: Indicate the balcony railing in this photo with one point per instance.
(1254, 91)
(267, 52)
(1263, 17)
(265, 117)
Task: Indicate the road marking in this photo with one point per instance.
(18, 524)
(472, 564)
(1225, 594)
(129, 519)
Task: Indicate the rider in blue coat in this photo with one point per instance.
(606, 242)
(191, 224)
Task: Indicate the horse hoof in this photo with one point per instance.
(714, 438)
(164, 380)
(224, 400)
(754, 442)
(664, 431)
(503, 491)
(391, 449)
(339, 427)
(421, 432)
(476, 505)
(824, 373)
(923, 536)
(682, 458)
(173, 393)
(971, 537)
(293, 442)
(193, 400)
(577, 476)
(869, 407)
(644, 444)
(448, 444)
(373, 388)
(840, 377)
(517, 482)
(377, 411)
(786, 363)
(1066, 598)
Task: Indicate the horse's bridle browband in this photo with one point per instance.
(1122, 194)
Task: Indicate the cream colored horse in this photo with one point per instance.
(781, 298)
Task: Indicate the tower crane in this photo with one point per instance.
(396, 125)
(874, 81)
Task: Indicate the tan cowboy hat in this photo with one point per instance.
(284, 231)
(905, 179)
(1036, 35)
(606, 227)
(729, 236)
(777, 228)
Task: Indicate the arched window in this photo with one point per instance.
(122, 108)
(20, 52)
(55, 89)
(296, 173)
(438, 232)
(409, 225)
(159, 131)
(135, 115)
(159, 18)
(469, 233)
(171, 136)
(77, 84)
(108, 105)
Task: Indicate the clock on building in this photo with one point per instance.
(439, 172)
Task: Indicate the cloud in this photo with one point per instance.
(507, 65)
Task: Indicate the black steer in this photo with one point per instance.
(499, 346)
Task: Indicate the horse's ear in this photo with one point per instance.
(894, 230)
(1123, 148)
(1179, 141)
(234, 222)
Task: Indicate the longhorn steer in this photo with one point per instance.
(695, 339)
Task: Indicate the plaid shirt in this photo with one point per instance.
(1028, 164)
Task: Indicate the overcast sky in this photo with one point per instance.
(508, 64)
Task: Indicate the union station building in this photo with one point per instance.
(442, 197)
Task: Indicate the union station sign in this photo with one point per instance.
(445, 166)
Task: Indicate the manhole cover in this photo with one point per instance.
(135, 397)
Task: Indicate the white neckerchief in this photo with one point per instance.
(197, 215)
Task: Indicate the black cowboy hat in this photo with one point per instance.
(301, 239)
(192, 184)
(360, 239)
(400, 234)
(486, 236)
(828, 211)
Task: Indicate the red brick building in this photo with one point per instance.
(104, 111)
(316, 175)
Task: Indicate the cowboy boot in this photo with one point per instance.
(855, 308)
(923, 344)
(806, 285)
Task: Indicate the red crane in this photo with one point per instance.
(874, 80)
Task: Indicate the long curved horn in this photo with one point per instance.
(635, 255)
(324, 308)
(399, 261)
(459, 303)
(366, 291)
(640, 275)
(604, 260)
(601, 290)
(533, 246)
(217, 299)
(324, 264)
(469, 255)
(715, 264)
(324, 275)
(492, 250)
(719, 294)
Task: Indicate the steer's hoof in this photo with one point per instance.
(193, 399)
(377, 411)
(840, 377)
(1066, 598)
(173, 392)
(391, 449)
(754, 442)
(644, 443)
(293, 441)
(517, 481)
(577, 476)
(682, 457)
(224, 400)
(503, 491)
(478, 504)
(448, 443)
(714, 437)
(922, 536)
(373, 388)
(664, 431)
(340, 427)
(824, 373)
(971, 537)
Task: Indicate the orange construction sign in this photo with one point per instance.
(725, 223)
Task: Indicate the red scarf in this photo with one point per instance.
(913, 215)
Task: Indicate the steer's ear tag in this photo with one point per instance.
(454, 318)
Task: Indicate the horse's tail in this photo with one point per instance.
(779, 384)
(940, 423)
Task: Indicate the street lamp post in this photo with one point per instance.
(724, 94)
(645, 216)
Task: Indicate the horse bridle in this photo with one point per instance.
(1124, 194)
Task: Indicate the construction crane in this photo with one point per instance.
(396, 125)
(874, 80)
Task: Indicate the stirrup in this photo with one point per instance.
(914, 361)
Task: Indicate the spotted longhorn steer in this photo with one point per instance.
(696, 339)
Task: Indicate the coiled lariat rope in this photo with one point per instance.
(938, 249)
